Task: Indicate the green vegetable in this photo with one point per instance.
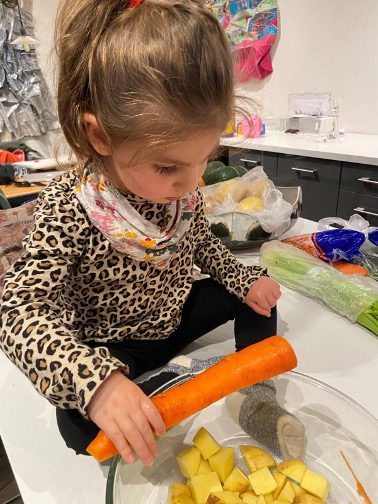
(369, 318)
(241, 170)
(256, 232)
(352, 296)
(220, 174)
(220, 230)
(211, 165)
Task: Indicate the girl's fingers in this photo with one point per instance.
(271, 299)
(154, 417)
(264, 303)
(140, 448)
(261, 311)
(122, 445)
(138, 433)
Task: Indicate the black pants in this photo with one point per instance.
(208, 306)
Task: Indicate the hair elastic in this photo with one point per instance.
(134, 3)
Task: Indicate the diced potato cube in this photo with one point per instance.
(249, 497)
(269, 498)
(294, 468)
(222, 462)
(188, 461)
(256, 458)
(175, 489)
(262, 481)
(287, 494)
(297, 489)
(308, 499)
(261, 500)
(224, 497)
(202, 485)
(236, 481)
(203, 466)
(280, 480)
(205, 442)
(183, 499)
(315, 484)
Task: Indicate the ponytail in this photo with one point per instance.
(79, 26)
(152, 72)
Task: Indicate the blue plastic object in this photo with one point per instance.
(373, 237)
(336, 244)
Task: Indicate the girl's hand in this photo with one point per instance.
(263, 295)
(128, 417)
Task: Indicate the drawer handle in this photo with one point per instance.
(366, 212)
(306, 170)
(367, 180)
(250, 161)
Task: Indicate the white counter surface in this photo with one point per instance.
(352, 147)
(329, 348)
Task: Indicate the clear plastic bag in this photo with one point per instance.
(356, 222)
(348, 295)
(367, 253)
(252, 194)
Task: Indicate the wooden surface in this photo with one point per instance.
(12, 191)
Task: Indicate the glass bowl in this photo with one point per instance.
(335, 426)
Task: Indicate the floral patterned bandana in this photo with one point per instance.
(128, 232)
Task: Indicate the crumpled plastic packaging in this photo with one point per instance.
(265, 202)
(366, 254)
(348, 295)
(26, 107)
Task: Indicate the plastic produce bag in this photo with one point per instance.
(373, 237)
(352, 296)
(367, 254)
(252, 194)
(331, 245)
(356, 222)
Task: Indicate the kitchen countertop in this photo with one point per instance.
(351, 147)
(329, 348)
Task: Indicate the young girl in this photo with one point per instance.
(104, 289)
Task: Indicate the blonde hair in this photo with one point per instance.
(155, 73)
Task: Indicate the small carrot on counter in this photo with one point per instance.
(253, 364)
(350, 268)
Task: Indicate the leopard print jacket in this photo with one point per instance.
(71, 287)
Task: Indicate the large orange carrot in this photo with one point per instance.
(253, 364)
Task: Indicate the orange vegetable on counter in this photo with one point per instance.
(251, 365)
(305, 243)
(350, 268)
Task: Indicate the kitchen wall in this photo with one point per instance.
(323, 46)
(326, 46)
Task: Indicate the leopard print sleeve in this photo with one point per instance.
(33, 335)
(217, 261)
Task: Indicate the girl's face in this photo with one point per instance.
(162, 176)
(156, 175)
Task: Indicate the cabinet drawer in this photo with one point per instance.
(351, 203)
(296, 169)
(252, 158)
(359, 178)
